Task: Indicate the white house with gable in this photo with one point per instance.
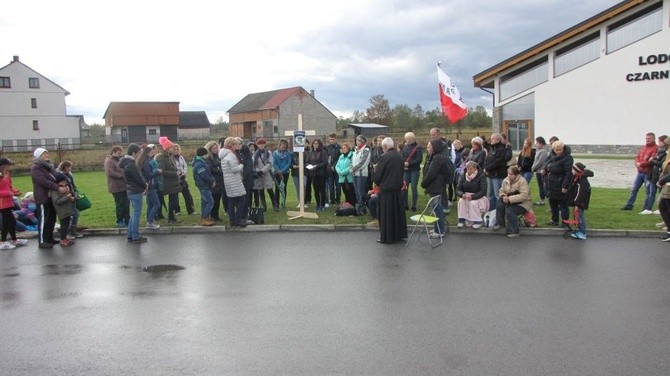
(33, 111)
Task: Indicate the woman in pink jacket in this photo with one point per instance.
(7, 194)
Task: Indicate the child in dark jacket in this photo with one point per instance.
(579, 195)
(65, 208)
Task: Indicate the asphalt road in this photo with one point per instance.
(324, 303)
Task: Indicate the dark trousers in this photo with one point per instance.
(122, 206)
(664, 208)
(8, 224)
(173, 199)
(319, 182)
(188, 198)
(508, 215)
(64, 227)
(46, 216)
(217, 195)
(556, 207)
(333, 186)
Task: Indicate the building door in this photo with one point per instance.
(517, 131)
(124, 135)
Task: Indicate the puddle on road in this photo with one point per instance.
(62, 269)
(162, 270)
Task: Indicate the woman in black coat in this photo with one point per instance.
(435, 180)
(389, 178)
(317, 157)
(558, 174)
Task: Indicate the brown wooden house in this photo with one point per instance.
(141, 122)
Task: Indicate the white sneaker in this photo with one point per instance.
(660, 224)
(7, 246)
(153, 226)
(326, 205)
(20, 242)
(435, 235)
(460, 225)
(646, 212)
(477, 225)
(657, 212)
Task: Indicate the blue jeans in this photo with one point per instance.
(640, 179)
(134, 223)
(360, 185)
(439, 211)
(528, 176)
(651, 197)
(494, 190)
(373, 206)
(333, 187)
(412, 180)
(206, 202)
(152, 205)
(582, 221)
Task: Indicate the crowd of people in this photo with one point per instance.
(381, 177)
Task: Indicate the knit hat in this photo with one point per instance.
(60, 178)
(477, 140)
(201, 151)
(38, 152)
(165, 143)
(579, 167)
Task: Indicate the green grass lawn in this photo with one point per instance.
(604, 210)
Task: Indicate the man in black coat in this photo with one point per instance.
(388, 176)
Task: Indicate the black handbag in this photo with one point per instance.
(257, 215)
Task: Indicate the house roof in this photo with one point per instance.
(368, 125)
(485, 78)
(193, 119)
(265, 100)
(138, 108)
(16, 61)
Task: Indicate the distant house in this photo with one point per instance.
(368, 130)
(271, 113)
(141, 122)
(194, 125)
(33, 111)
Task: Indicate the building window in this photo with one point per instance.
(635, 27)
(152, 132)
(33, 102)
(36, 125)
(525, 78)
(34, 83)
(5, 82)
(577, 54)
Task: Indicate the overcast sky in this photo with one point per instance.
(208, 55)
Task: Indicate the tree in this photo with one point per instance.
(97, 133)
(379, 111)
(220, 126)
(402, 118)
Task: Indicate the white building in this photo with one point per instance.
(600, 85)
(33, 111)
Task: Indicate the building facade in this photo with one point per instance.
(270, 114)
(141, 122)
(600, 85)
(33, 111)
(194, 125)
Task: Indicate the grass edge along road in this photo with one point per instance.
(603, 211)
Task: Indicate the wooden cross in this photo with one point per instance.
(301, 180)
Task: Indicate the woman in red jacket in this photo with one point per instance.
(7, 194)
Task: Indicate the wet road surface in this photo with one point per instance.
(323, 303)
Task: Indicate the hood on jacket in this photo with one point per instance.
(125, 160)
(438, 146)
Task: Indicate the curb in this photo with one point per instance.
(553, 232)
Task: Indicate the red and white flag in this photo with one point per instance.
(450, 98)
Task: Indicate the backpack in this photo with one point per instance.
(345, 210)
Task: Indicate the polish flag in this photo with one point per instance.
(450, 98)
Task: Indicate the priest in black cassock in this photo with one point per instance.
(388, 176)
